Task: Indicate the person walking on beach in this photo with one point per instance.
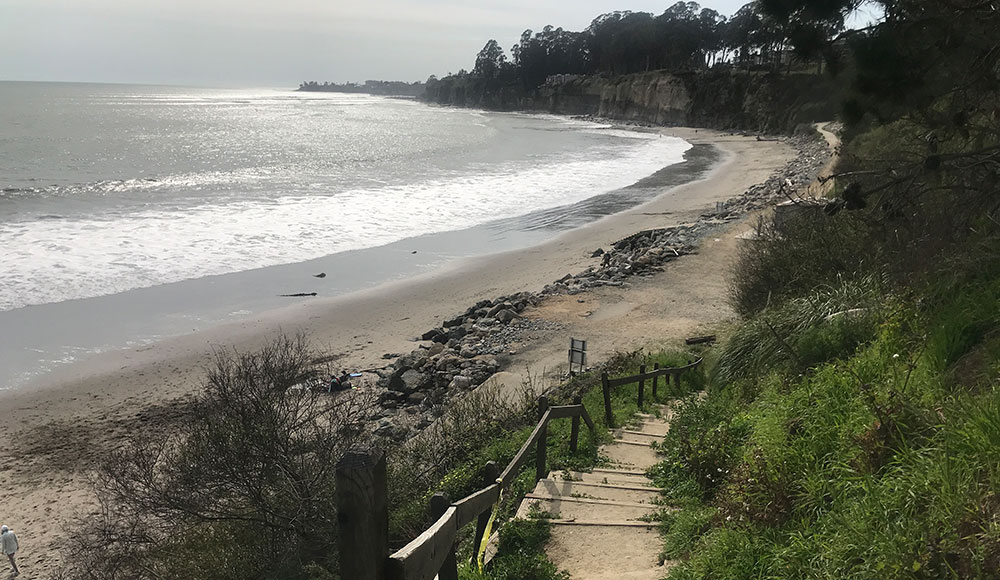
(8, 543)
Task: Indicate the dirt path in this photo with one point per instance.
(599, 530)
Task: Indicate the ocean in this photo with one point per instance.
(112, 190)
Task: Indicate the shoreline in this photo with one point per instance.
(57, 337)
(58, 430)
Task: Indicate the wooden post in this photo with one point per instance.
(574, 433)
(449, 568)
(362, 514)
(543, 405)
(489, 478)
(608, 417)
(642, 386)
(656, 367)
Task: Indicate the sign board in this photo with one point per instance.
(577, 354)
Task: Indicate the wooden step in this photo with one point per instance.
(652, 428)
(624, 493)
(628, 442)
(582, 508)
(641, 433)
(611, 477)
(618, 471)
(608, 524)
(591, 501)
(607, 553)
(631, 457)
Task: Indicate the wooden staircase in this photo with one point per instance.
(602, 520)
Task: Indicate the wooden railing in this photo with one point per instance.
(607, 383)
(363, 517)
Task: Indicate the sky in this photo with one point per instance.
(274, 43)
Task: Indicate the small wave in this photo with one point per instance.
(144, 184)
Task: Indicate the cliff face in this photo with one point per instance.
(767, 103)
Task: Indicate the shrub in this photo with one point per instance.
(827, 323)
(704, 442)
(808, 251)
(244, 488)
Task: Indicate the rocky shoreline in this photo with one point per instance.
(468, 349)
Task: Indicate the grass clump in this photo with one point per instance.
(829, 322)
(520, 554)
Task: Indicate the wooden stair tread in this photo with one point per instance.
(590, 501)
(601, 485)
(608, 524)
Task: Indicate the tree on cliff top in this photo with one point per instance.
(490, 61)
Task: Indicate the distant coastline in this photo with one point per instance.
(383, 88)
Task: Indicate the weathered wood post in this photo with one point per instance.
(490, 473)
(574, 432)
(543, 405)
(642, 385)
(362, 515)
(449, 568)
(656, 367)
(606, 386)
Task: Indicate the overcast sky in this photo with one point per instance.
(273, 42)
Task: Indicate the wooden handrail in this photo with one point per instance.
(608, 383)
(471, 506)
(422, 558)
(514, 467)
(617, 382)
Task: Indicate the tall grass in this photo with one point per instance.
(880, 462)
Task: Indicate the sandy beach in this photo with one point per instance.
(56, 432)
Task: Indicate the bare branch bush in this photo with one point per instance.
(245, 487)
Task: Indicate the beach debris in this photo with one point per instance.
(320, 275)
(298, 294)
(700, 339)
(598, 252)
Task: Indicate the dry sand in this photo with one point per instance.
(55, 433)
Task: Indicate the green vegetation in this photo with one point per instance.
(878, 463)
(852, 425)
(520, 555)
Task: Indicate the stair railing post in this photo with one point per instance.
(362, 515)
(574, 432)
(490, 473)
(449, 568)
(609, 418)
(642, 386)
(656, 367)
(543, 405)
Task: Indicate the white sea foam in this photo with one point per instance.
(52, 260)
